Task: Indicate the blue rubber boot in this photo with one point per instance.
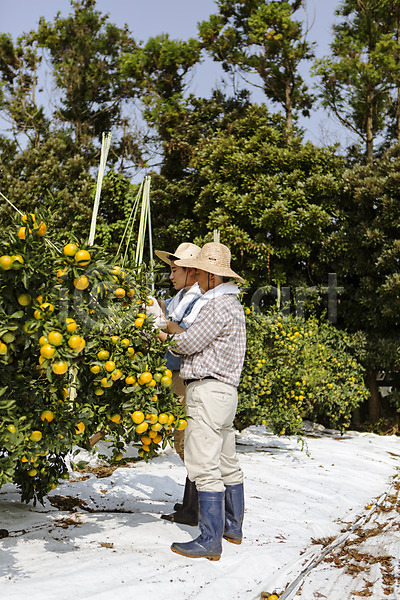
(234, 513)
(211, 523)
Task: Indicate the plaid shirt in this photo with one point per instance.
(215, 345)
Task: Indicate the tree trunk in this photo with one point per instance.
(369, 131)
(289, 112)
(373, 403)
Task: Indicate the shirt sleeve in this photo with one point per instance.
(200, 334)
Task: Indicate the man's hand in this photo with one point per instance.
(172, 327)
(154, 309)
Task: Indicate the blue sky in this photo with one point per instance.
(179, 19)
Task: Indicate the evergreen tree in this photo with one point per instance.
(359, 76)
(262, 37)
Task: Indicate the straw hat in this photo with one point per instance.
(214, 258)
(184, 251)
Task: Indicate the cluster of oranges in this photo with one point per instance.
(30, 225)
(151, 424)
(55, 343)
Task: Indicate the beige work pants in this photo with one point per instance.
(210, 450)
(179, 389)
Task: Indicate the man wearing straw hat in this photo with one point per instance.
(177, 310)
(213, 350)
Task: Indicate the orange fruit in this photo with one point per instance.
(131, 351)
(8, 337)
(130, 380)
(163, 418)
(139, 322)
(98, 391)
(142, 427)
(5, 262)
(47, 415)
(80, 428)
(71, 324)
(47, 307)
(109, 365)
(119, 293)
(137, 417)
(22, 233)
(145, 447)
(103, 355)
(152, 418)
(47, 351)
(141, 315)
(59, 367)
(152, 434)
(81, 282)
(145, 439)
(82, 257)
(156, 427)
(25, 218)
(157, 439)
(106, 383)
(75, 341)
(125, 342)
(70, 249)
(116, 418)
(95, 369)
(167, 373)
(62, 275)
(24, 299)
(3, 349)
(116, 374)
(36, 436)
(17, 262)
(41, 230)
(151, 383)
(182, 424)
(166, 381)
(55, 338)
(145, 377)
(32, 473)
(43, 340)
(114, 339)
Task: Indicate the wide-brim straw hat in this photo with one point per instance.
(213, 258)
(185, 250)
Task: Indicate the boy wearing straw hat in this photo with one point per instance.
(213, 350)
(177, 309)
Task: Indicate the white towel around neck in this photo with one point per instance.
(179, 303)
(221, 290)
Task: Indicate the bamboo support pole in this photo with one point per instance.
(105, 146)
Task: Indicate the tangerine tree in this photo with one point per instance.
(80, 360)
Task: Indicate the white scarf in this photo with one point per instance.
(220, 290)
(179, 303)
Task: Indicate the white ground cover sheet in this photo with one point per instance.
(113, 545)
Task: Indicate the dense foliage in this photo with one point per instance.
(298, 369)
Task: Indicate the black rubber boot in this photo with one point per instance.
(234, 513)
(189, 513)
(211, 522)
